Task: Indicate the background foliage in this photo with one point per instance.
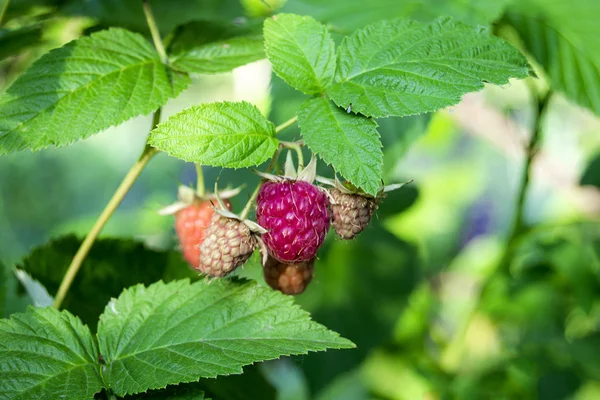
(418, 292)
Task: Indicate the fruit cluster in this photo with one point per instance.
(293, 217)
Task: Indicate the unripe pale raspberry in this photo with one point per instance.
(288, 278)
(190, 225)
(351, 213)
(296, 216)
(227, 245)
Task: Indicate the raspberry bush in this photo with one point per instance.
(180, 312)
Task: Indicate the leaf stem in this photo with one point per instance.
(286, 124)
(199, 180)
(160, 47)
(3, 12)
(109, 209)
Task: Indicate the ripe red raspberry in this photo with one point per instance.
(351, 212)
(288, 278)
(228, 244)
(190, 224)
(296, 216)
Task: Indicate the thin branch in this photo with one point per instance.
(199, 180)
(158, 43)
(108, 211)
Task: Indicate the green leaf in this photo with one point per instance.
(591, 175)
(349, 142)
(398, 134)
(210, 47)
(82, 88)
(361, 306)
(169, 13)
(203, 330)
(17, 40)
(177, 392)
(563, 38)
(110, 266)
(401, 67)
(250, 385)
(4, 276)
(301, 50)
(48, 354)
(227, 134)
(12, 298)
(349, 15)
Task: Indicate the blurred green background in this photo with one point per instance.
(407, 291)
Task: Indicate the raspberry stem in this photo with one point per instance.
(126, 184)
(110, 208)
(199, 180)
(160, 47)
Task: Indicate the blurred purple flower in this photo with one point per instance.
(479, 221)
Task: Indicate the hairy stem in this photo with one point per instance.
(110, 208)
(160, 47)
(199, 180)
(3, 11)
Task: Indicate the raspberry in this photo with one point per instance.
(296, 216)
(288, 278)
(351, 213)
(228, 244)
(190, 224)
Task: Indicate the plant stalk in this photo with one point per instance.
(108, 211)
(200, 190)
(160, 47)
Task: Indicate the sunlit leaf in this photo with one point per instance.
(86, 86)
(203, 330)
(402, 67)
(227, 134)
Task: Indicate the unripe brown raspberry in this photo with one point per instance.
(228, 244)
(288, 278)
(351, 213)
